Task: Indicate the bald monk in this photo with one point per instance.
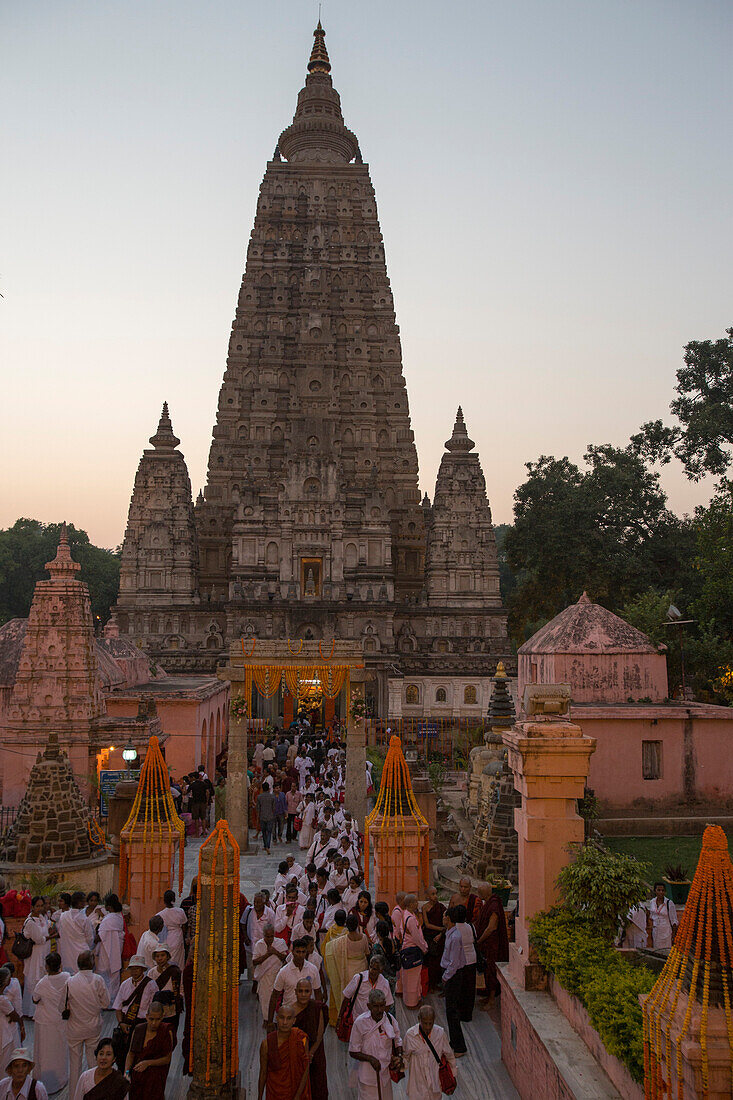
(284, 1067)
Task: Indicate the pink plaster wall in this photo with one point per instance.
(697, 752)
(598, 677)
(185, 721)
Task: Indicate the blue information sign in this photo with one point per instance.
(108, 780)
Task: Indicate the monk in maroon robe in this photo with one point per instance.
(284, 1061)
(492, 938)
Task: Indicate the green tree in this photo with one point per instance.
(703, 438)
(605, 529)
(507, 579)
(714, 529)
(28, 545)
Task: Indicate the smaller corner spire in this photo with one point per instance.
(319, 61)
(165, 439)
(63, 565)
(459, 441)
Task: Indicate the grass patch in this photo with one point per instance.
(659, 851)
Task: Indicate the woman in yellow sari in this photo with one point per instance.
(337, 929)
(350, 954)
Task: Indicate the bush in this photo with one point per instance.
(602, 886)
(586, 965)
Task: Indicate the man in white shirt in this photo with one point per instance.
(132, 1002)
(375, 1041)
(175, 920)
(151, 937)
(365, 982)
(18, 1083)
(253, 920)
(318, 851)
(88, 995)
(288, 914)
(289, 976)
(76, 932)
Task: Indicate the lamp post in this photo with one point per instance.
(129, 755)
(674, 618)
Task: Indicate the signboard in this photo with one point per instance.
(108, 780)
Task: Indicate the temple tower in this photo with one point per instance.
(159, 552)
(313, 469)
(462, 568)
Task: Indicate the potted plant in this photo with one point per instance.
(502, 887)
(677, 883)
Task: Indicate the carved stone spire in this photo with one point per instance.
(164, 439)
(319, 62)
(459, 441)
(63, 565)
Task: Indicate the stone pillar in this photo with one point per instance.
(355, 799)
(549, 758)
(236, 800)
(215, 1020)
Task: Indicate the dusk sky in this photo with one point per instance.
(553, 181)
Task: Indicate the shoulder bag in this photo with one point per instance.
(446, 1076)
(345, 1020)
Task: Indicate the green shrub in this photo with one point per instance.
(586, 965)
(602, 885)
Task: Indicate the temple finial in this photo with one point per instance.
(459, 441)
(63, 565)
(164, 439)
(319, 62)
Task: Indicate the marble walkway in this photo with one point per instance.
(481, 1073)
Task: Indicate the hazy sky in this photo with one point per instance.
(553, 180)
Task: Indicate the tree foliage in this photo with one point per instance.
(605, 529)
(602, 886)
(703, 439)
(28, 545)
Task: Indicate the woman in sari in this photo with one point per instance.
(350, 953)
(110, 935)
(104, 1082)
(36, 928)
(50, 1046)
(364, 912)
(307, 819)
(412, 953)
(335, 932)
(384, 949)
(433, 912)
(149, 1057)
(311, 1018)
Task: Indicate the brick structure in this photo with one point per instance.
(57, 668)
(399, 832)
(53, 824)
(310, 524)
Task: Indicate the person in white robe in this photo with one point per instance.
(308, 817)
(361, 985)
(422, 1065)
(636, 933)
(664, 919)
(111, 934)
(50, 1047)
(19, 1081)
(253, 920)
(88, 996)
(268, 956)
(75, 931)
(36, 928)
(8, 1020)
(152, 935)
(15, 993)
(175, 920)
(375, 1044)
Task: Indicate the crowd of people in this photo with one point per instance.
(319, 953)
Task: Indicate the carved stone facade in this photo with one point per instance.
(310, 524)
(159, 553)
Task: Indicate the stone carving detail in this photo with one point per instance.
(53, 824)
(159, 552)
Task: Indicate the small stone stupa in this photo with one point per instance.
(53, 827)
(688, 1031)
(492, 850)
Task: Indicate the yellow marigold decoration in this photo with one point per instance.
(154, 811)
(699, 970)
(396, 803)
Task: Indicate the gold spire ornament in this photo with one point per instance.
(319, 62)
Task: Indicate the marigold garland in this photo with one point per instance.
(394, 799)
(154, 811)
(222, 1013)
(333, 646)
(295, 652)
(704, 939)
(251, 653)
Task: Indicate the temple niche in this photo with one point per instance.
(311, 522)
